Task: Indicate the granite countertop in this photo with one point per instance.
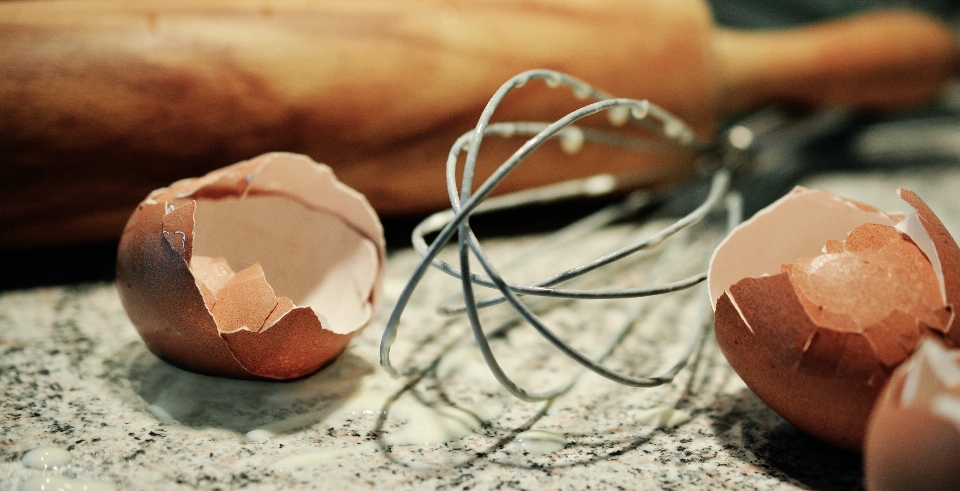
(75, 376)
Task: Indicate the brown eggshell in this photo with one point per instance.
(947, 253)
(818, 298)
(308, 254)
(913, 435)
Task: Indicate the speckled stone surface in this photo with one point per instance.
(75, 375)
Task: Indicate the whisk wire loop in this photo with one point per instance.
(719, 188)
(466, 201)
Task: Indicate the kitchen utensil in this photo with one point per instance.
(105, 100)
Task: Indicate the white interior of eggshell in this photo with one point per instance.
(283, 173)
(795, 226)
(310, 256)
(919, 235)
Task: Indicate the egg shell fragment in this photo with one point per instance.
(797, 312)
(913, 435)
(309, 253)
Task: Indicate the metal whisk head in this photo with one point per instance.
(466, 203)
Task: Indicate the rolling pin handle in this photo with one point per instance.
(875, 61)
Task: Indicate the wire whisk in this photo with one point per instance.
(465, 202)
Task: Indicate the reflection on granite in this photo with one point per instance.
(74, 375)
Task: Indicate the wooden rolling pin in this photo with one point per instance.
(102, 101)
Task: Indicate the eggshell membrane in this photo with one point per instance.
(913, 434)
(948, 255)
(816, 338)
(309, 253)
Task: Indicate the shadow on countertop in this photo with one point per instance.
(781, 450)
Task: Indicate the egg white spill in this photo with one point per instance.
(540, 441)
(664, 417)
(466, 361)
(177, 395)
(284, 426)
(424, 424)
(434, 425)
(46, 458)
(313, 459)
(60, 483)
(365, 402)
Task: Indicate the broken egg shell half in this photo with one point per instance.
(913, 434)
(818, 298)
(260, 270)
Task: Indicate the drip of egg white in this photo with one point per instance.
(60, 483)
(540, 441)
(571, 139)
(672, 129)
(641, 111)
(46, 458)
(618, 115)
(424, 423)
(582, 92)
(664, 417)
(307, 460)
(440, 424)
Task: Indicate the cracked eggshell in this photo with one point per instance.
(913, 434)
(818, 298)
(260, 270)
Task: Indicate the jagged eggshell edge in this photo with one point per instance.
(161, 296)
(821, 380)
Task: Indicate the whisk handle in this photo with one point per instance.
(878, 60)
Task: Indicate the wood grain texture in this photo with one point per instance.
(106, 100)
